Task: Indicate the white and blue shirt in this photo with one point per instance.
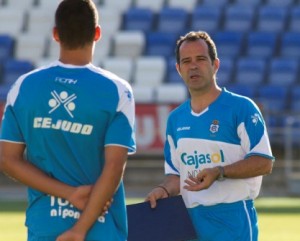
(66, 115)
(230, 129)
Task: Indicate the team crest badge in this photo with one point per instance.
(214, 127)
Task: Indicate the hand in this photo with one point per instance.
(106, 207)
(71, 235)
(203, 180)
(80, 196)
(155, 194)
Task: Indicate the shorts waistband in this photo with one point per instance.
(227, 206)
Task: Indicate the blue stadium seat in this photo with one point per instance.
(280, 3)
(216, 3)
(229, 43)
(290, 44)
(13, 69)
(250, 71)
(206, 18)
(283, 71)
(261, 44)
(172, 20)
(239, 18)
(139, 19)
(160, 44)
(6, 47)
(249, 3)
(249, 91)
(225, 72)
(295, 98)
(172, 74)
(294, 21)
(272, 18)
(273, 98)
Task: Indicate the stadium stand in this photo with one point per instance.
(290, 44)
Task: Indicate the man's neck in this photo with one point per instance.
(78, 57)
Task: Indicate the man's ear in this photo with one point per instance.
(55, 34)
(97, 33)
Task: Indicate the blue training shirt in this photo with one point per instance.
(228, 130)
(66, 115)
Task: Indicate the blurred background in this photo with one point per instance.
(258, 42)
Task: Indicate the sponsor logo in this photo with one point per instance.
(65, 80)
(197, 159)
(62, 99)
(184, 128)
(255, 118)
(62, 208)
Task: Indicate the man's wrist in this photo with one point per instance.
(164, 188)
(221, 176)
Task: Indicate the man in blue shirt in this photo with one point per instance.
(216, 151)
(66, 132)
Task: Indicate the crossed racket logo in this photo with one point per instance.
(62, 99)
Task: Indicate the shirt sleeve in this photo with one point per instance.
(121, 130)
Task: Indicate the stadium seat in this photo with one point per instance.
(295, 99)
(249, 91)
(154, 5)
(30, 47)
(171, 93)
(173, 76)
(110, 21)
(160, 44)
(294, 21)
(283, 71)
(52, 50)
(117, 6)
(188, 5)
(261, 44)
(12, 21)
(250, 71)
(143, 94)
(229, 43)
(103, 48)
(272, 18)
(206, 18)
(129, 43)
(273, 98)
(290, 44)
(239, 18)
(39, 21)
(172, 20)
(251, 3)
(13, 69)
(280, 3)
(49, 5)
(149, 71)
(139, 19)
(17, 4)
(225, 72)
(216, 3)
(120, 66)
(6, 47)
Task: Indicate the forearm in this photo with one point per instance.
(103, 191)
(31, 176)
(250, 167)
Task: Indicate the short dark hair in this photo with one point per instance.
(76, 21)
(193, 36)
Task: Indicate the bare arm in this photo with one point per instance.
(169, 187)
(103, 191)
(13, 164)
(250, 167)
